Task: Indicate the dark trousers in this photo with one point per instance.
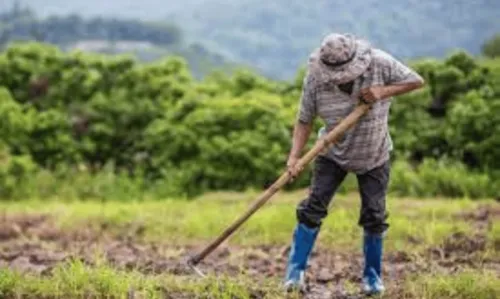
(327, 177)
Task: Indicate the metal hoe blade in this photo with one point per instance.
(195, 269)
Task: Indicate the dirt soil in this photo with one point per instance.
(32, 243)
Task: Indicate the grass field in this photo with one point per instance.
(435, 248)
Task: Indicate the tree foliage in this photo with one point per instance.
(23, 24)
(63, 111)
(491, 47)
(147, 40)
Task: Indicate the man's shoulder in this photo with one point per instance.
(313, 75)
(313, 57)
(381, 57)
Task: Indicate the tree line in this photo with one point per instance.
(147, 40)
(99, 122)
(23, 24)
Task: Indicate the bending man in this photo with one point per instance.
(341, 72)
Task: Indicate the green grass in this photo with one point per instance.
(466, 285)
(76, 280)
(182, 222)
(426, 222)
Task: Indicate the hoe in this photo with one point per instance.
(324, 143)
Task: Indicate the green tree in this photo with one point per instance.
(491, 48)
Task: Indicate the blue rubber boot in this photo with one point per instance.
(372, 274)
(302, 244)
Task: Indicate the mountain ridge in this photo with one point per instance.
(277, 37)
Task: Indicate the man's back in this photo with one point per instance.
(368, 144)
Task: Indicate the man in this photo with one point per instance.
(343, 71)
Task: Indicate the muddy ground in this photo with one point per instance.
(32, 243)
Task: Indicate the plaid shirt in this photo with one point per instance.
(368, 144)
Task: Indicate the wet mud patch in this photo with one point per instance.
(481, 218)
(14, 226)
(463, 244)
(459, 245)
(467, 249)
(482, 221)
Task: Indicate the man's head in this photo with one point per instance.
(341, 58)
(337, 49)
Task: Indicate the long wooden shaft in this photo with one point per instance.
(323, 143)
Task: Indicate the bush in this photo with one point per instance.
(14, 172)
(440, 178)
(97, 126)
(476, 126)
(228, 143)
(14, 125)
(491, 47)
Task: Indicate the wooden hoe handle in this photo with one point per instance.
(322, 144)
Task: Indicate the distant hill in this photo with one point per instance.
(147, 40)
(276, 36)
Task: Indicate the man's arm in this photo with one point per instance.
(301, 133)
(396, 79)
(380, 92)
(401, 88)
(303, 124)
